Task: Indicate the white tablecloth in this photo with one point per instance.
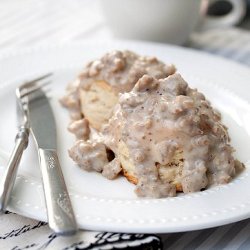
(34, 22)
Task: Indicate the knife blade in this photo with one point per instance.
(60, 213)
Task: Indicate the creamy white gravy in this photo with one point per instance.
(154, 120)
(160, 116)
(120, 69)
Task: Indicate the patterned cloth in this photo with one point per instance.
(233, 43)
(35, 22)
(19, 233)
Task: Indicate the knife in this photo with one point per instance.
(60, 214)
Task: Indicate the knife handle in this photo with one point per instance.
(10, 173)
(60, 214)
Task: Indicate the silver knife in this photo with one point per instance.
(60, 214)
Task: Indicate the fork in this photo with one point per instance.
(22, 137)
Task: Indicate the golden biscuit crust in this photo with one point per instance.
(97, 103)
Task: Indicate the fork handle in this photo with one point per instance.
(59, 210)
(10, 173)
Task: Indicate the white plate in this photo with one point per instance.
(101, 204)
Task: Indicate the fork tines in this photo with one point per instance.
(32, 86)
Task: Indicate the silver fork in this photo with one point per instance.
(21, 141)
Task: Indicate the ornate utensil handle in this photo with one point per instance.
(59, 210)
(10, 173)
